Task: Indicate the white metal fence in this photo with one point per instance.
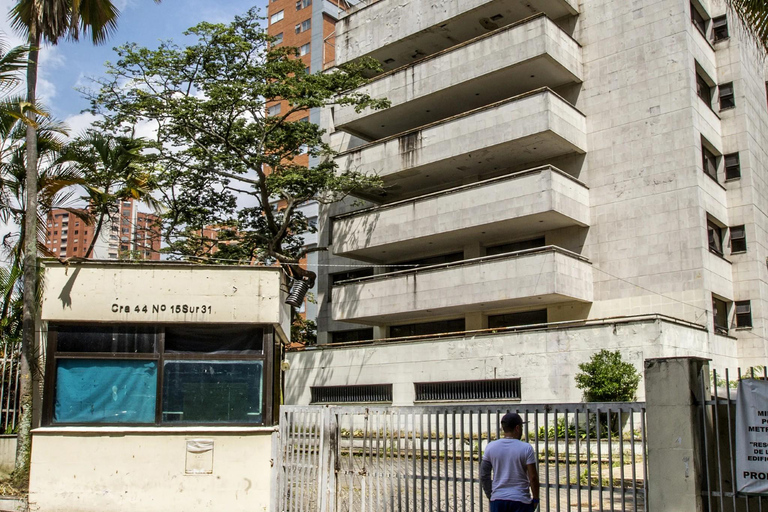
(9, 388)
(345, 459)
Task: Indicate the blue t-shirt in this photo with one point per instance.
(509, 459)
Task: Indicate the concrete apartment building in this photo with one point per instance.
(128, 234)
(560, 177)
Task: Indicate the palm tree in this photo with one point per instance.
(754, 16)
(49, 21)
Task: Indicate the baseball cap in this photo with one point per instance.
(511, 420)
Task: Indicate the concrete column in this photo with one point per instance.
(380, 332)
(475, 321)
(675, 461)
(473, 250)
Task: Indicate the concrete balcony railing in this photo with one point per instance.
(529, 128)
(397, 32)
(524, 56)
(527, 202)
(547, 275)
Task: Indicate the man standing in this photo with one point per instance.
(513, 463)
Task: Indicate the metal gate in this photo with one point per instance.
(718, 439)
(344, 459)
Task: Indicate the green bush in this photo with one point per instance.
(607, 378)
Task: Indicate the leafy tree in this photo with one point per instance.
(607, 378)
(754, 16)
(44, 21)
(225, 161)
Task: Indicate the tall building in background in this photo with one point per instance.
(560, 177)
(128, 234)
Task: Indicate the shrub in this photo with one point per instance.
(607, 378)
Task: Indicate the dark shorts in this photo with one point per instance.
(511, 506)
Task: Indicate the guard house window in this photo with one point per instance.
(732, 166)
(303, 26)
(538, 316)
(278, 16)
(715, 237)
(708, 161)
(719, 28)
(727, 99)
(743, 314)
(164, 375)
(304, 49)
(370, 393)
(698, 20)
(703, 89)
(474, 390)
(427, 328)
(303, 4)
(720, 315)
(738, 239)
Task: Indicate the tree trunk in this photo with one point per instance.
(28, 340)
(96, 234)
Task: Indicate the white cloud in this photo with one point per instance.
(79, 123)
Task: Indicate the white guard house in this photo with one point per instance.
(161, 387)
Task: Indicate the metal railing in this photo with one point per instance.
(344, 458)
(718, 439)
(10, 357)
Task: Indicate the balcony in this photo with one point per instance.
(513, 206)
(547, 275)
(527, 129)
(398, 32)
(524, 56)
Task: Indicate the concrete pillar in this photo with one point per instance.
(475, 321)
(380, 332)
(675, 461)
(473, 250)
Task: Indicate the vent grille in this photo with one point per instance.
(479, 390)
(372, 393)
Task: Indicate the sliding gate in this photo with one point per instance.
(344, 459)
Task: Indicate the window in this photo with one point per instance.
(302, 4)
(698, 20)
(303, 149)
(732, 166)
(715, 237)
(303, 120)
(350, 336)
(743, 314)
(77, 231)
(307, 70)
(276, 17)
(720, 315)
(538, 316)
(346, 276)
(719, 28)
(703, 89)
(709, 162)
(303, 26)
(304, 49)
(370, 393)
(738, 239)
(278, 39)
(274, 109)
(425, 262)
(727, 99)
(118, 374)
(515, 246)
(476, 390)
(427, 328)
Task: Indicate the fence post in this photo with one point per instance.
(675, 468)
(327, 468)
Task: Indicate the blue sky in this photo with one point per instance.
(68, 66)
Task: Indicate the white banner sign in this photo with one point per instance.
(752, 437)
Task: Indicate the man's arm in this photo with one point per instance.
(533, 477)
(485, 477)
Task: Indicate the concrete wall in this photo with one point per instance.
(95, 470)
(7, 453)
(545, 361)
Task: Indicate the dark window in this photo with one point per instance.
(345, 276)
(427, 328)
(720, 315)
(350, 336)
(515, 246)
(732, 166)
(303, 26)
(432, 260)
(703, 90)
(719, 28)
(301, 4)
(698, 20)
(538, 316)
(210, 374)
(477, 390)
(738, 239)
(727, 99)
(743, 314)
(709, 161)
(715, 237)
(370, 393)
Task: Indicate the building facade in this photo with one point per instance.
(558, 177)
(127, 234)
